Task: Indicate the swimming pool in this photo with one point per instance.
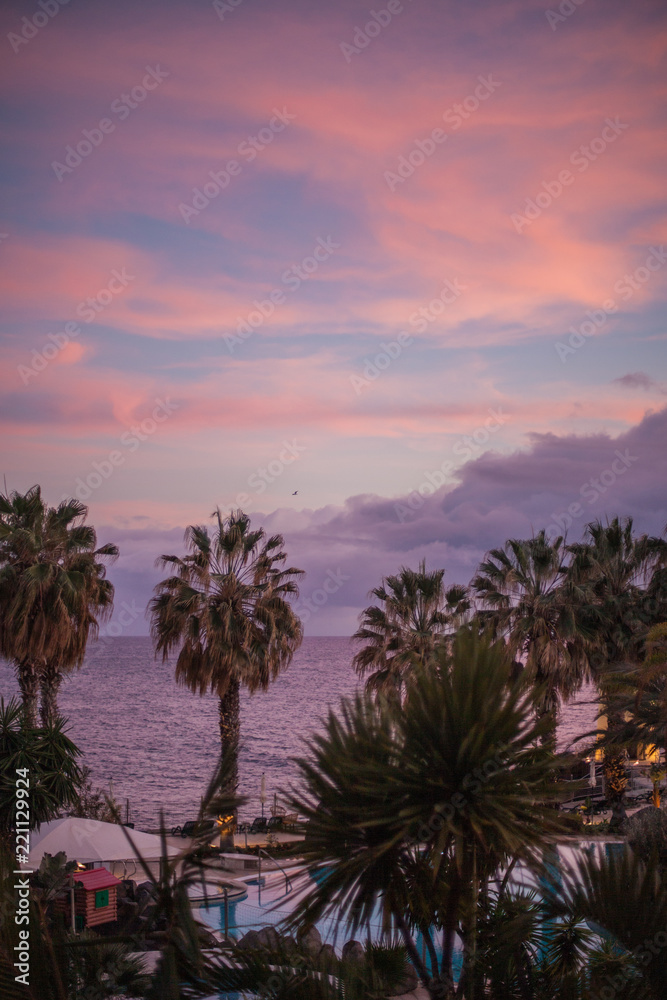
(270, 903)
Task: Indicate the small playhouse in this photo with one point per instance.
(95, 898)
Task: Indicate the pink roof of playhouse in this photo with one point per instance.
(96, 878)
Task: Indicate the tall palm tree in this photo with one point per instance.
(53, 592)
(91, 602)
(225, 608)
(414, 614)
(616, 570)
(527, 597)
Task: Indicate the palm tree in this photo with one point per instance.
(616, 570)
(225, 609)
(65, 965)
(53, 592)
(435, 795)
(625, 900)
(192, 964)
(635, 698)
(46, 758)
(414, 615)
(91, 603)
(528, 598)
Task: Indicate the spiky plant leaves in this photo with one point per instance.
(102, 969)
(463, 773)
(625, 901)
(49, 757)
(53, 876)
(292, 973)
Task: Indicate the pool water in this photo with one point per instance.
(270, 902)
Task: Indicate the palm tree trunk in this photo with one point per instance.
(27, 674)
(430, 982)
(469, 984)
(615, 785)
(50, 681)
(230, 724)
(448, 934)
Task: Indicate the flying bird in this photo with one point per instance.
(295, 493)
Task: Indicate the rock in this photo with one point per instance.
(409, 982)
(146, 887)
(288, 944)
(327, 955)
(249, 941)
(145, 903)
(311, 941)
(206, 938)
(268, 938)
(145, 894)
(353, 952)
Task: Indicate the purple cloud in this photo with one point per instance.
(638, 380)
(556, 483)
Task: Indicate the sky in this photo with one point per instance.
(407, 260)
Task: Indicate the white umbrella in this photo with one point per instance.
(89, 841)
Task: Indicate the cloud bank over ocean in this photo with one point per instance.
(558, 483)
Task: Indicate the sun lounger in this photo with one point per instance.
(194, 827)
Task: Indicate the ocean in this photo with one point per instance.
(156, 744)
